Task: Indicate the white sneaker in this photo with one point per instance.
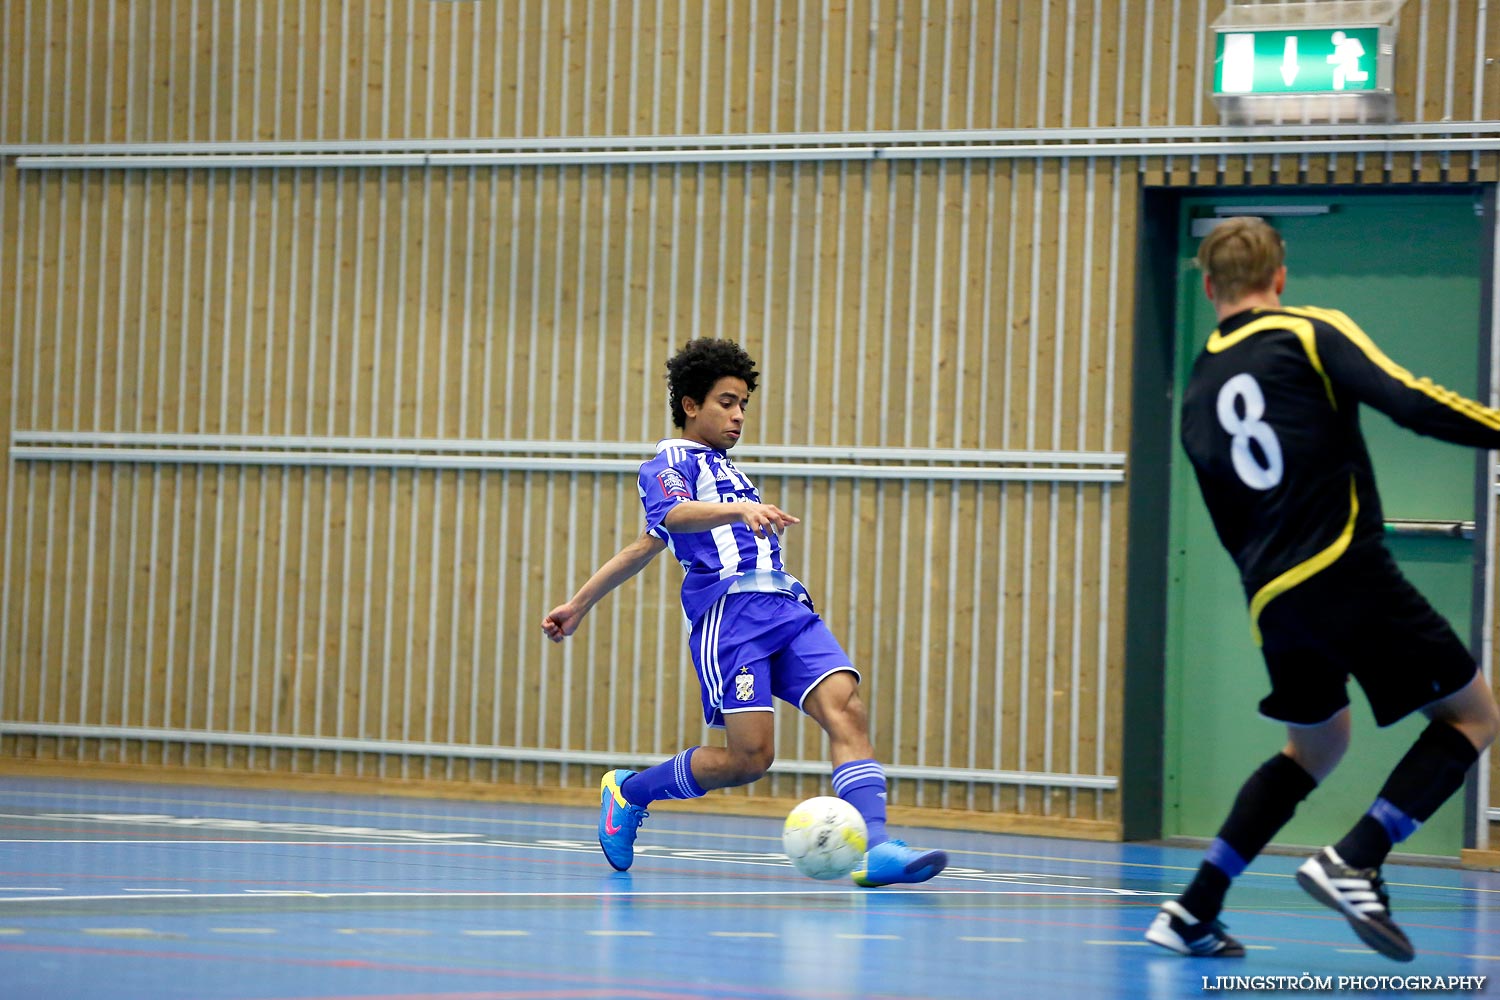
(1359, 894)
(1178, 930)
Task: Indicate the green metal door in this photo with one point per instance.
(1406, 268)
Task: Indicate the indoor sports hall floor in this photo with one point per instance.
(121, 891)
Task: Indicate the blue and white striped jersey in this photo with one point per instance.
(726, 559)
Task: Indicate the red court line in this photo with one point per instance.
(305, 883)
(627, 994)
(550, 862)
(597, 863)
(679, 990)
(141, 833)
(1026, 917)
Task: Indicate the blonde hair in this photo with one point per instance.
(1241, 256)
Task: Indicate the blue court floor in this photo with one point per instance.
(116, 891)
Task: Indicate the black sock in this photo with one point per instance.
(1204, 896)
(1432, 770)
(1266, 801)
(1366, 845)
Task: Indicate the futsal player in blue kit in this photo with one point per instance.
(753, 631)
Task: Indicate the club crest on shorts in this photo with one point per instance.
(744, 684)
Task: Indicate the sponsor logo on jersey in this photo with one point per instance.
(673, 484)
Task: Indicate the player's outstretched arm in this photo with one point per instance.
(702, 515)
(563, 620)
(1355, 363)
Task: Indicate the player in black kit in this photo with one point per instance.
(1270, 421)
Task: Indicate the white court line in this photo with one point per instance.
(269, 827)
(742, 934)
(155, 890)
(29, 888)
(504, 821)
(478, 894)
(497, 933)
(700, 856)
(499, 821)
(620, 933)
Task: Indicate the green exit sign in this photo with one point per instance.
(1297, 61)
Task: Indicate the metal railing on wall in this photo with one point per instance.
(832, 462)
(524, 755)
(967, 465)
(788, 147)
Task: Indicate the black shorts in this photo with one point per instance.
(1361, 617)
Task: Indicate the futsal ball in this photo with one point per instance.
(824, 837)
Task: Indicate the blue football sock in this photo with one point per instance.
(1398, 825)
(1225, 858)
(671, 779)
(861, 783)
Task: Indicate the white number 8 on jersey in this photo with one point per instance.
(1249, 428)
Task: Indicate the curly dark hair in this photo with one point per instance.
(692, 371)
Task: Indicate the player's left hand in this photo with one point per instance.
(561, 622)
(765, 519)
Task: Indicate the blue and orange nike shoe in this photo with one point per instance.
(618, 821)
(891, 861)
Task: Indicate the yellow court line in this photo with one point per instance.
(11, 930)
(133, 932)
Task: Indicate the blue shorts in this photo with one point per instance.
(748, 647)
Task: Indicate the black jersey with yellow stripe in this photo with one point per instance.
(1270, 420)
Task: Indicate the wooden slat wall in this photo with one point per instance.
(931, 304)
(400, 605)
(285, 69)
